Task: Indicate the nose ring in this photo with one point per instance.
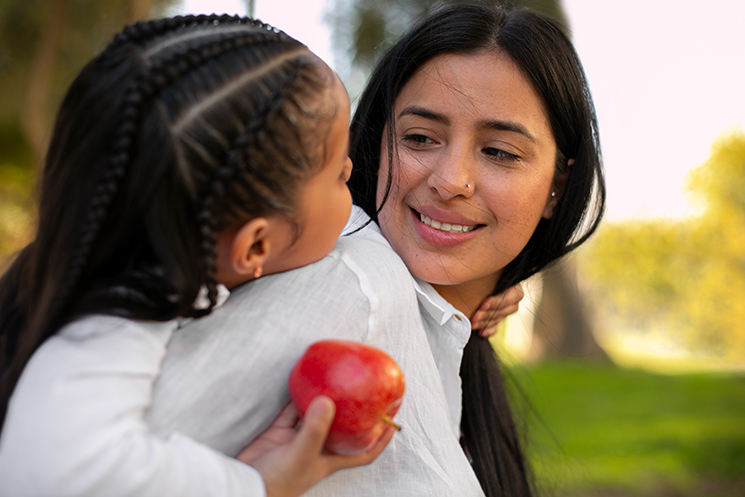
(468, 186)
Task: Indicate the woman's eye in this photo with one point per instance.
(501, 154)
(418, 139)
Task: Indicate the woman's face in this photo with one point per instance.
(473, 175)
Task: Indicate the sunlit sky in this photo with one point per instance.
(667, 76)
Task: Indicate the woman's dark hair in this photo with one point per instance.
(179, 129)
(538, 45)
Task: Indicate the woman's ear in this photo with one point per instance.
(241, 250)
(557, 191)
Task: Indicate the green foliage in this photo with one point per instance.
(16, 213)
(88, 24)
(721, 180)
(85, 26)
(600, 430)
(685, 277)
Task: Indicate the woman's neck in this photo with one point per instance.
(467, 297)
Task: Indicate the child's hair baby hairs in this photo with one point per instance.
(180, 128)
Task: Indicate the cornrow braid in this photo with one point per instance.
(163, 139)
(228, 172)
(108, 185)
(143, 31)
(145, 85)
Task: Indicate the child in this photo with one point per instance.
(194, 152)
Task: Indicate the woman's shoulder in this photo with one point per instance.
(360, 263)
(372, 262)
(365, 251)
(360, 225)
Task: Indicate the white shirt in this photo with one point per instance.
(224, 378)
(75, 424)
(447, 328)
(448, 331)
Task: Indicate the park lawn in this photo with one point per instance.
(599, 430)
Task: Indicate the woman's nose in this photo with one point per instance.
(453, 175)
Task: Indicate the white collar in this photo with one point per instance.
(436, 306)
(432, 302)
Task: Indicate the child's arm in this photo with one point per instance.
(292, 462)
(75, 427)
(75, 423)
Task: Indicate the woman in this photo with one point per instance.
(475, 148)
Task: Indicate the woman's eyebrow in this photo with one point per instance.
(415, 110)
(505, 126)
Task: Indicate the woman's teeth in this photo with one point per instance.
(447, 228)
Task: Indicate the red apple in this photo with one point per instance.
(364, 382)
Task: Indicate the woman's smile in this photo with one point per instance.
(441, 228)
(446, 227)
(472, 172)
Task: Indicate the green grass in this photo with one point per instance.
(598, 430)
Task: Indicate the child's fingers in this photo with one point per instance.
(513, 295)
(315, 427)
(288, 417)
(479, 320)
(342, 462)
(490, 318)
(490, 325)
(495, 308)
(510, 297)
(280, 432)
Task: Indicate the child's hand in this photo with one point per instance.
(292, 459)
(495, 308)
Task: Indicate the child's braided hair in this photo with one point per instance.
(180, 128)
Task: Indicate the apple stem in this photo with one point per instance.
(389, 421)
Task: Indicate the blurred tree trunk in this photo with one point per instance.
(250, 7)
(35, 119)
(53, 39)
(563, 326)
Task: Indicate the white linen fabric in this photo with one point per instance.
(448, 331)
(447, 328)
(76, 421)
(224, 378)
(75, 424)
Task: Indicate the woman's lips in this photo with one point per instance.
(446, 227)
(441, 233)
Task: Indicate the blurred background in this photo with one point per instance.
(628, 358)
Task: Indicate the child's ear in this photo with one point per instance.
(250, 247)
(557, 190)
(241, 250)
